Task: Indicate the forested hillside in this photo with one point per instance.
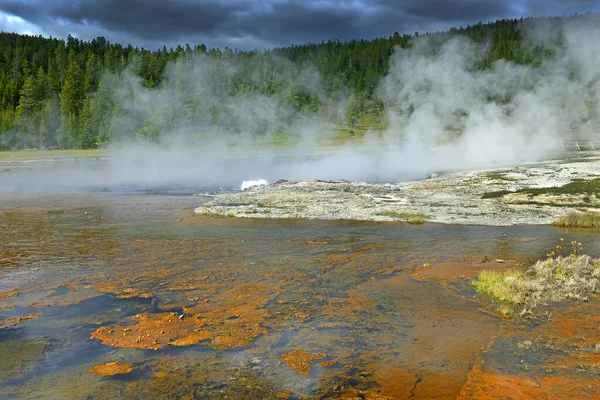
(70, 94)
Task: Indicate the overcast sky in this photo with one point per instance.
(260, 24)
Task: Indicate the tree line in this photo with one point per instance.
(62, 93)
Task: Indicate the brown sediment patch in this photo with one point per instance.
(299, 360)
(319, 242)
(9, 258)
(235, 322)
(356, 394)
(130, 293)
(152, 331)
(122, 289)
(111, 369)
(235, 327)
(358, 301)
(14, 321)
(348, 309)
(568, 345)
(301, 315)
(192, 338)
(9, 294)
(580, 320)
(493, 385)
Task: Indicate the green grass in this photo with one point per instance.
(215, 214)
(23, 155)
(575, 187)
(497, 176)
(344, 133)
(570, 278)
(411, 218)
(579, 220)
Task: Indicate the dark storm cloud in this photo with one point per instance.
(265, 23)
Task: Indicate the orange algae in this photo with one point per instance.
(9, 294)
(111, 369)
(14, 321)
(484, 385)
(301, 315)
(325, 364)
(284, 395)
(230, 324)
(235, 327)
(153, 331)
(299, 360)
(367, 395)
(193, 338)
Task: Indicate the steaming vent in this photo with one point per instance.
(253, 183)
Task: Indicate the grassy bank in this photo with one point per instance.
(575, 187)
(33, 155)
(579, 220)
(569, 278)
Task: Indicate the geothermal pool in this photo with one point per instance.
(127, 294)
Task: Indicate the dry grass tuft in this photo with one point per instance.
(564, 278)
(411, 218)
(579, 220)
(206, 212)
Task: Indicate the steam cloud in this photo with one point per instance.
(444, 114)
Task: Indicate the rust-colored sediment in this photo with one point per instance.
(193, 338)
(494, 385)
(356, 394)
(232, 323)
(284, 395)
(14, 321)
(152, 331)
(111, 369)
(9, 294)
(299, 360)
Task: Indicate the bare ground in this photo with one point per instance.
(453, 198)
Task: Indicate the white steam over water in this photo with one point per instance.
(248, 184)
(443, 114)
(507, 114)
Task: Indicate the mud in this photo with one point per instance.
(452, 198)
(111, 369)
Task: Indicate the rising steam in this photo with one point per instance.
(444, 113)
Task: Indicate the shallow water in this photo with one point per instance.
(104, 269)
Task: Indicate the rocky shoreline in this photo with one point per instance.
(504, 196)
